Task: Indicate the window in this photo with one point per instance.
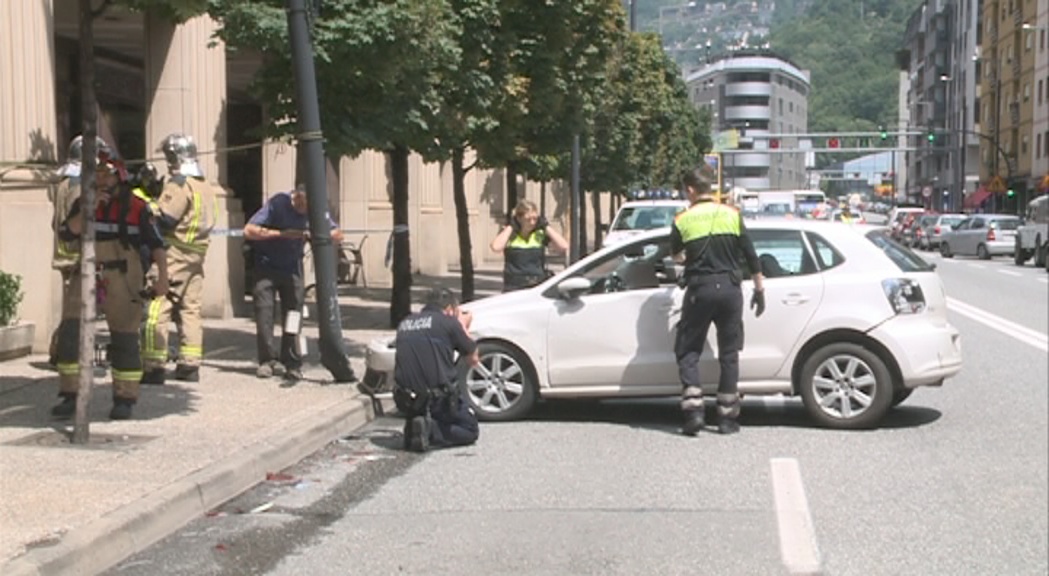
(782, 253)
(1024, 142)
(1037, 145)
(903, 257)
(1039, 92)
(636, 266)
(826, 255)
(1027, 92)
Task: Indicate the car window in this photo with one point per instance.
(903, 257)
(976, 224)
(826, 255)
(635, 266)
(1005, 224)
(964, 224)
(782, 253)
(950, 220)
(645, 217)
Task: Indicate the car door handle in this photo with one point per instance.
(795, 299)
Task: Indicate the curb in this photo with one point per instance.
(110, 539)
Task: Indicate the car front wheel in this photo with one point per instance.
(846, 386)
(501, 386)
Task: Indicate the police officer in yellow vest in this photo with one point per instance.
(187, 213)
(523, 242)
(712, 237)
(66, 255)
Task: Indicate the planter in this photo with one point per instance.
(16, 341)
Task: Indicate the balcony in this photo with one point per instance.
(748, 89)
(744, 113)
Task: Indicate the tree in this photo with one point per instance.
(379, 68)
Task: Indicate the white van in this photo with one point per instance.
(637, 216)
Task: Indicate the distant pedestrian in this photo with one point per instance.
(523, 243)
(278, 233)
(436, 411)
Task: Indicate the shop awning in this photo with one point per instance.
(976, 198)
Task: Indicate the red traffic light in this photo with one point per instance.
(833, 143)
(774, 143)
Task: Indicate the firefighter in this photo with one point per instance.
(711, 236)
(186, 214)
(66, 255)
(523, 241)
(123, 223)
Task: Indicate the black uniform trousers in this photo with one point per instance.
(713, 299)
(270, 284)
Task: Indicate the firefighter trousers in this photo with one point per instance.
(186, 276)
(122, 279)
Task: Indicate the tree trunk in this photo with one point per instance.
(511, 186)
(582, 225)
(595, 199)
(89, 151)
(542, 197)
(401, 297)
(462, 218)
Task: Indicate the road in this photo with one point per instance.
(955, 482)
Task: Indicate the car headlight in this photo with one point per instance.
(905, 295)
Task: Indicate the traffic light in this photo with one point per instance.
(931, 136)
(774, 143)
(1010, 192)
(833, 143)
(884, 134)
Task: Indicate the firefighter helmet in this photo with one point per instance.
(71, 168)
(181, 153)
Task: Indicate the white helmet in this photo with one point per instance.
(71, 168)
(181, 153)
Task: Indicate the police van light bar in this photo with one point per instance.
(658, 194)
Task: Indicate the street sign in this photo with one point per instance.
(927, 192)
(997, 185)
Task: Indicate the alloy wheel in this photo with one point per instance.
(844, 386)
(497, 383)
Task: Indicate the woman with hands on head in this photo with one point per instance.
(523, 243)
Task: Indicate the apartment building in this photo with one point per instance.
(1039, 30)
(757, 93)
(155, 78)
(1008, 89)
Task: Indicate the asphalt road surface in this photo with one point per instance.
(954, 483)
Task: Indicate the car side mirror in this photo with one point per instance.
(573, 287)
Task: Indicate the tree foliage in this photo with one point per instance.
(175, 10)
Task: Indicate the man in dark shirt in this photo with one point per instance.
(278, 234)
(712, 236)
(425, 374)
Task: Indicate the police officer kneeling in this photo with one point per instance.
(712, 236)
(435, 411)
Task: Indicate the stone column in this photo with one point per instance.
(27, 152)
(185, 70)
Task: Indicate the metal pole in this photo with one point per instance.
(311, 147)
(964, 150)
(577, 203)
(997, 128)
(633, 15)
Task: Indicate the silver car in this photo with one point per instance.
(934, 226)
(981, 235)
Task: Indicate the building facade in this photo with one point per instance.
(757, 94)
(155, 78)
(1040, 153)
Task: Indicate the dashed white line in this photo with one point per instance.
(797, 536)
(1009, 273)
(1024, 334)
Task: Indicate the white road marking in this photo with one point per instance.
(1033, 338)
(1043, 280)
(1009, 272)
(971, 265)
(797, 537)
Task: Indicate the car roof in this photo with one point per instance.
(655, 202)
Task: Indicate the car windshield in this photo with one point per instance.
(902, 256)
(951, 220)
(645, 217)
(1006, 224)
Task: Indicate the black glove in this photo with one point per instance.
(541, 223)
(512, 222)
(758, 301)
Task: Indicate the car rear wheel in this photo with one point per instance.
(899, 395)
(846, 386)
(982, 253)
(1019, 255)
(502, 386)
(945, 250)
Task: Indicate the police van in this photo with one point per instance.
(1032, 238)
(649, 210)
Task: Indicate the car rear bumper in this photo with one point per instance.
(925, 352)
(1001, 247)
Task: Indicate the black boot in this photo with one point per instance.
(693, 422)
(420, 434)
(187, 373)
(121, 409)
(154, 376)
(67, 407)
(728, 425)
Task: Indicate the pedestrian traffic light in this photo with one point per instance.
(1010, 192)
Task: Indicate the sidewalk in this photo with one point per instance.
(189, 447)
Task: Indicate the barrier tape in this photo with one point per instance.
(239, 232)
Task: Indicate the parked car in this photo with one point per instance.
(981, 235)
(1032, 238)
(909, 235)
(933, 228)
(638, 216)
(855, 322)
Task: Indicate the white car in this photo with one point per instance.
(854, 322)
(639, 216)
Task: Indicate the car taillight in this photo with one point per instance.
(905, 295)
(936, 230)
(990, 235)
(919, 232)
